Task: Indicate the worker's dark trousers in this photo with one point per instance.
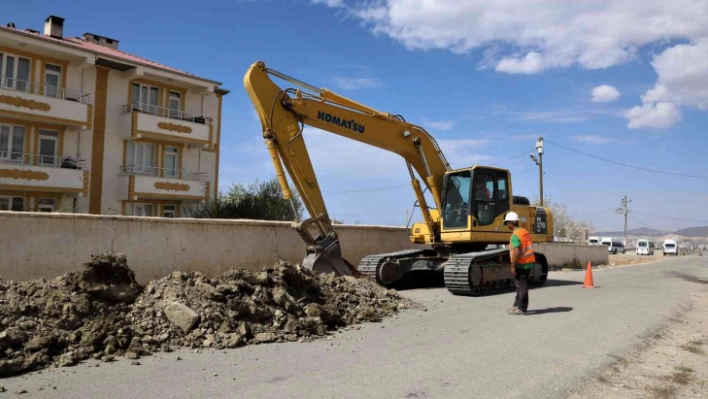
(522, 289)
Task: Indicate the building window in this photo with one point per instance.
(140, 209)
(144, 98)
(171, 162)
(52, 80)
(8, 203)
(169, 211)
(48, 146)
(12, 143)
(175, 104)
(47, 204)
(14, 72)
(139, 159)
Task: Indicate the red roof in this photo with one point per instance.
(82, 44)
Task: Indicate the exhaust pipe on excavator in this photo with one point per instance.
(325, 256)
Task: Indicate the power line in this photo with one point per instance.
(671, 217)
(642, 223)
(366, 214)
(627, 165)
(365, 190)
(510, 158)
(594, 212)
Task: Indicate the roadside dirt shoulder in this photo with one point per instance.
(672, 362)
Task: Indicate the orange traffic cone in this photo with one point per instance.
(588, 277)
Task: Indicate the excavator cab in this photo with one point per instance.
(475, 200)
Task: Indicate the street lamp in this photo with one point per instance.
(539, 163)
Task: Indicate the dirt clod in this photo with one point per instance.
(101, 312)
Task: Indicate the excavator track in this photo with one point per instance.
(483, 273)
(369, 265)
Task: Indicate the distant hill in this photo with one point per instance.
(701, 231)
(694, 232)
(642, 231)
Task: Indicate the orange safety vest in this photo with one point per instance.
(526, 256)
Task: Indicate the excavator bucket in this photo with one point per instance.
(326, 257)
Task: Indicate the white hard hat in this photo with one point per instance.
(511, 217)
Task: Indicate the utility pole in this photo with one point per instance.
(624, 209)
(539, 162)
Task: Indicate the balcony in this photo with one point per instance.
(149, 121)
(147, 182)
(31, 172)
(30, 101)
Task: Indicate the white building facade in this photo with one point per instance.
(87, 128)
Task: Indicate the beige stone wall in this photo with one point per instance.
(34, 245)
(47, 245)
(558, 254)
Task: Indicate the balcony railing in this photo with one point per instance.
(50, 161)
(44, 90)
(166, 112)
(181, 174)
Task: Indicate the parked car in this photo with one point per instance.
(670, 248)
(613, 246)
(593, 240)
(645, 247)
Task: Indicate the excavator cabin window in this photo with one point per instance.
(491, 196)
(456, 204)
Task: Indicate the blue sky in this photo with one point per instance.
(485, 79)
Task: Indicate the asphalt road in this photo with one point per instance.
(459, 348)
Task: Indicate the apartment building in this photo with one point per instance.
(88, 128)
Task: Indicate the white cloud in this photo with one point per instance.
(682, 81)
(439, 125)
(527, 37)
(657, 116)
(461, 152)
(529, 64)
(593, 139)
(336, 157)
(561, 116)
(604, 94)
(330, 3)
(357, 83)
(525, 137)
(547, 33)
(683, 75)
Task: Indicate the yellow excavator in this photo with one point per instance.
(459, 237)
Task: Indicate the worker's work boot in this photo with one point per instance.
(516, 312)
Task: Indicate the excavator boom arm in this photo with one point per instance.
(285, 112)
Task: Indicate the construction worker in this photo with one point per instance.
(522, 260)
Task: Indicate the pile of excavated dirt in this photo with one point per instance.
(101, 312)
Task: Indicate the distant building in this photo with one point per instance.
(88, 128)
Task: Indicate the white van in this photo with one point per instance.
(670, 248)
(645, 247)
(613, 246)
(593, 240)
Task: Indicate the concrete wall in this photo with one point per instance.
(36, 245)
(558, 254)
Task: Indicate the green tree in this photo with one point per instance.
(565, 227)
(260, 200)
